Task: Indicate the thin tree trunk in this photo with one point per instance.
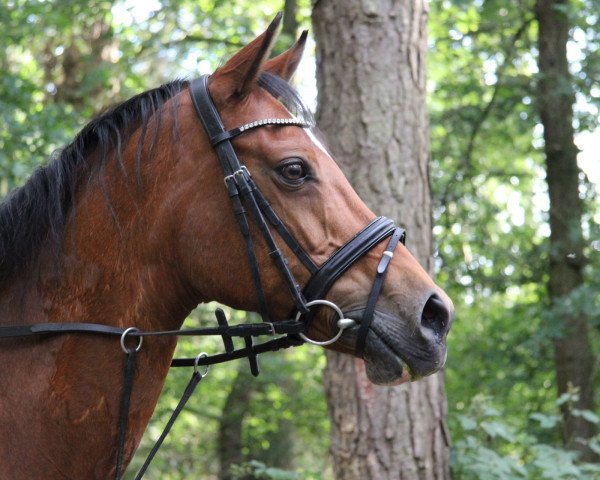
(231, 425)
(231, 440)
(290, 19)
(371, 79)
(574, 358)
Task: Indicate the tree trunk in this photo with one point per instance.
(290, 20)
(231, 425)
(231, 440)
(371, 79)
(574, 359)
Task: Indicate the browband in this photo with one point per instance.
(234, 132)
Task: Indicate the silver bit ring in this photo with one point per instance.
(342, 323)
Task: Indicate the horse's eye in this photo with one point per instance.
(293, 171)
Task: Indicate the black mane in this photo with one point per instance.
(35, 214)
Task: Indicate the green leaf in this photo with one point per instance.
(546, 421)
(467, 423)
(497, 429)
(587, 415)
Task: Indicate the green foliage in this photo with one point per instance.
(489, 447)
(488, 175)
(254, 470)
(64, 61)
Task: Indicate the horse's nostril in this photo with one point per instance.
(436, 316)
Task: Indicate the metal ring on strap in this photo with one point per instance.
(127, 332)
(342, 323)
(201, 355)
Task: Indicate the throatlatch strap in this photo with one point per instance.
(397, 236)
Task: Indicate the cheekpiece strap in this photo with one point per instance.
(399, 236)
(243, 192)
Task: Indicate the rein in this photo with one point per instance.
(245, 194)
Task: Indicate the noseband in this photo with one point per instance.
(244, 193)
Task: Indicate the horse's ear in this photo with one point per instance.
(239, 75)
(285, 65)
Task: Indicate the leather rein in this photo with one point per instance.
(244, 194)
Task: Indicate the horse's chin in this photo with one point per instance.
(392, 373)
(382, 364)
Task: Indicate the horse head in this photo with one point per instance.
(306, 188)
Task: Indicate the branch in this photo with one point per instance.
(200, 38)
(508, 54)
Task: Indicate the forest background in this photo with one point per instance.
(64, 61)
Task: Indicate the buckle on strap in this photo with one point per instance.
(243, 170)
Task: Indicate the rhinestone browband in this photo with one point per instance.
(234, 132)
(275, 121)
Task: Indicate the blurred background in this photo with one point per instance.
(509, 414)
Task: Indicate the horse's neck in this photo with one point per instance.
(63, 392)
(102, 274)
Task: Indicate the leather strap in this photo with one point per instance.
(243, 330)
(322, 281)
(234, 132)
(124, 411)
(213, 125)
(56, 328)
(268, 346)
(282, 230)
(399, 235)
(189, 390)
(239, 183)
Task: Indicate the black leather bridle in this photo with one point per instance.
(243, 191)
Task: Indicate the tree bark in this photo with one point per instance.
(371, 82)
(574, 358)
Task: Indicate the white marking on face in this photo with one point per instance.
(316, 141)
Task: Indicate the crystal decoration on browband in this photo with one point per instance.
(234, 132)
(275, 121)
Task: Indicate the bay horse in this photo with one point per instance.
(131, 226)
